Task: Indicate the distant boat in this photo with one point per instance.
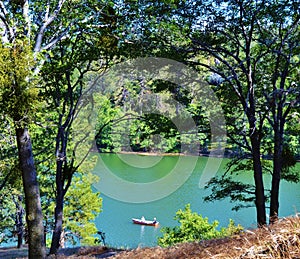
(145, 222)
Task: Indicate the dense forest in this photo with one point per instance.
(171, 76)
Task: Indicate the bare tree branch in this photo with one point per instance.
(48, 21)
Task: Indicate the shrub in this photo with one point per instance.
(193, 227)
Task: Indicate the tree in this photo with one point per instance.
(227, 34)
(65, 87)
(70, 62)
(18, 98)
(259, 31)
(250, 55)
(279, 39)
(45, 25)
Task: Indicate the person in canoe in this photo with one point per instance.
(154, 221)
(143, 218)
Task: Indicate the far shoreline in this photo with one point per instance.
(218, 154)
(214, 154)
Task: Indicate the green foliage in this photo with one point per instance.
(9, 213)
(82, 205)
(288, 158)
(288, 163)
(108, 114)
(123, 126)
(193, 227)
(18, 92)
(96, 29)
(10, 182)
(7, 216)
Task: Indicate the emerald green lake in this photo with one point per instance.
(133, 186)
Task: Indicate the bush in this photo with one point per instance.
(193, 227)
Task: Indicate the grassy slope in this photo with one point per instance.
(281, 240)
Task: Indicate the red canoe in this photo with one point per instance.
(145, 222)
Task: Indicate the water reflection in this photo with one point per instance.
(142, 233)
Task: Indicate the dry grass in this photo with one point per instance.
(281, 240)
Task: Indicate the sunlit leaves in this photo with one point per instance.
(82, 205)
(18, 92)
(193, 227)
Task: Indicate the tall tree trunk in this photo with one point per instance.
(58, 213)
(62, 182)
(34, 215)
(277, 168)
(274, 201)
(259, 184)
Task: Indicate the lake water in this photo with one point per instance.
(155, 186)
